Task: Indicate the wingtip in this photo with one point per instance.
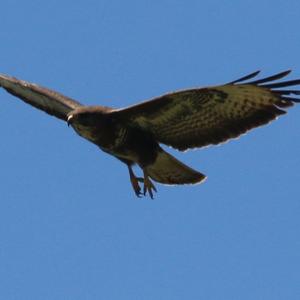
(286, 72)
(3, 78)
(2, 75)
(262, 81)
(247, 77)
(6, 77)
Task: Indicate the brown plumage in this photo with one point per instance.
(183, 120)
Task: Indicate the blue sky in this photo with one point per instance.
(70, 225)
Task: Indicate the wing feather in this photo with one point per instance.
(200, 117)
(271, 78)
(247, 77)
(42, 98)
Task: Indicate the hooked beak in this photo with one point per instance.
(69, 120)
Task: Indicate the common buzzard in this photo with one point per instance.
(185, 119)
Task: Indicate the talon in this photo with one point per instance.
(136, 188)
(135, 182)
(148, 186)
(140, 179)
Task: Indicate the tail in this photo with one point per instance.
(168, 170)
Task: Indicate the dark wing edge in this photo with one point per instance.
(178, 119)
(49, 101)
(272, 87)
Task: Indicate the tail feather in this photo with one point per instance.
(168, 170)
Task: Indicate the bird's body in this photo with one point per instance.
(183, 120)
(130, 144)
(114, 136)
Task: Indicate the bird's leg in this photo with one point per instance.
(135, 182)
(148, 185)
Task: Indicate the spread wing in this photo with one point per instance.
(199, 117)
(42, 98)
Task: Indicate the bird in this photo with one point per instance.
(183, 120)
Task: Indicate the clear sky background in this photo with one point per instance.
(70, 225)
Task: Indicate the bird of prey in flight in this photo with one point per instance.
(185, 119)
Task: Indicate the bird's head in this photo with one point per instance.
(79, 118)
(89, 116)
(89, 121)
